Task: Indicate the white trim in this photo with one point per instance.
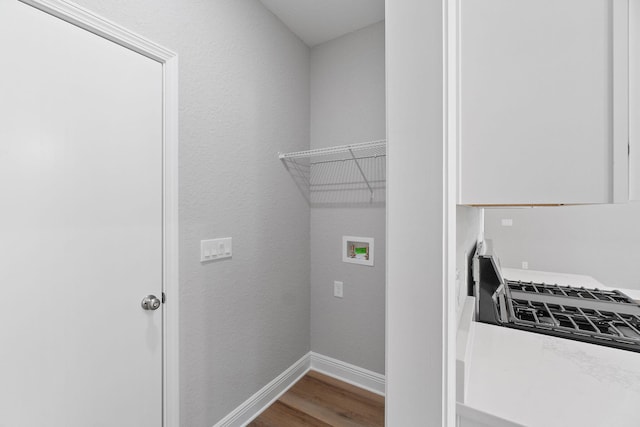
(256, 404)
(93, 23)
(248, 410)
(171, 392)
(620, 101)
(452, 191)
(633, 100)
(355, 375)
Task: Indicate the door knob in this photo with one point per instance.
(150, 302)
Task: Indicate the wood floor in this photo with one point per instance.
(320, 401)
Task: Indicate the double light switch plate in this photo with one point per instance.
(215, 249)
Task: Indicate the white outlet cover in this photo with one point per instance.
(508, 222)
(338, 289)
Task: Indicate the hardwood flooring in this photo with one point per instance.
(317, 400)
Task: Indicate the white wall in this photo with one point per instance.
(348, 106)
(468, 227)
(416, 393)
(244, 96)
(602, 241)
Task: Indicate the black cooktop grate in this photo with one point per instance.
(593, 315)
(568, 291)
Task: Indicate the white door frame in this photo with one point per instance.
(87, 20)
(452, 183)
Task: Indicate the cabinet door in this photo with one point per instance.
(634, 100)
(538, 111)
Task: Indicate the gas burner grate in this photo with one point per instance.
(593, 315)
(568, 291)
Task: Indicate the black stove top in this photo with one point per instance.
(606, 317)
(596, 316)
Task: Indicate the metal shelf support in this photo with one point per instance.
(362, 172)
(344, 153)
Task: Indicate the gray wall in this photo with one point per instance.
(244, 96)
(602, 241)
(468, 226)
(348, 106)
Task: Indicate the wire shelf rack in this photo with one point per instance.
(340, 174)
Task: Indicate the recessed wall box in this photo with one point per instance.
(357, 250)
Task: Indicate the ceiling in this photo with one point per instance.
(317, 21)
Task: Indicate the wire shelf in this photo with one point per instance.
(342, 152)
(340, 174)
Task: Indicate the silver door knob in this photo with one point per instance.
(150, 302)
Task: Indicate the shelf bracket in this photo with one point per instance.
(353, 156)
(296, 166)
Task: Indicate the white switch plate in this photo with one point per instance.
(508, 222)
(337, 289)
(525, 265)
(215, 249)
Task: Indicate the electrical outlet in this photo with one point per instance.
(337, 289)
(525, 265)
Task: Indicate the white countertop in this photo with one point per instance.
(539, 380)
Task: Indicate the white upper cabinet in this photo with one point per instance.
(542, 101)
(634, 100)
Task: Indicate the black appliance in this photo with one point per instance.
(603, 317)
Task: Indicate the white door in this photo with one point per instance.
(80, 226)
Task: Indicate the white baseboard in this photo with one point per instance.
(256, 404)
(348, 373)
(260, 401)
